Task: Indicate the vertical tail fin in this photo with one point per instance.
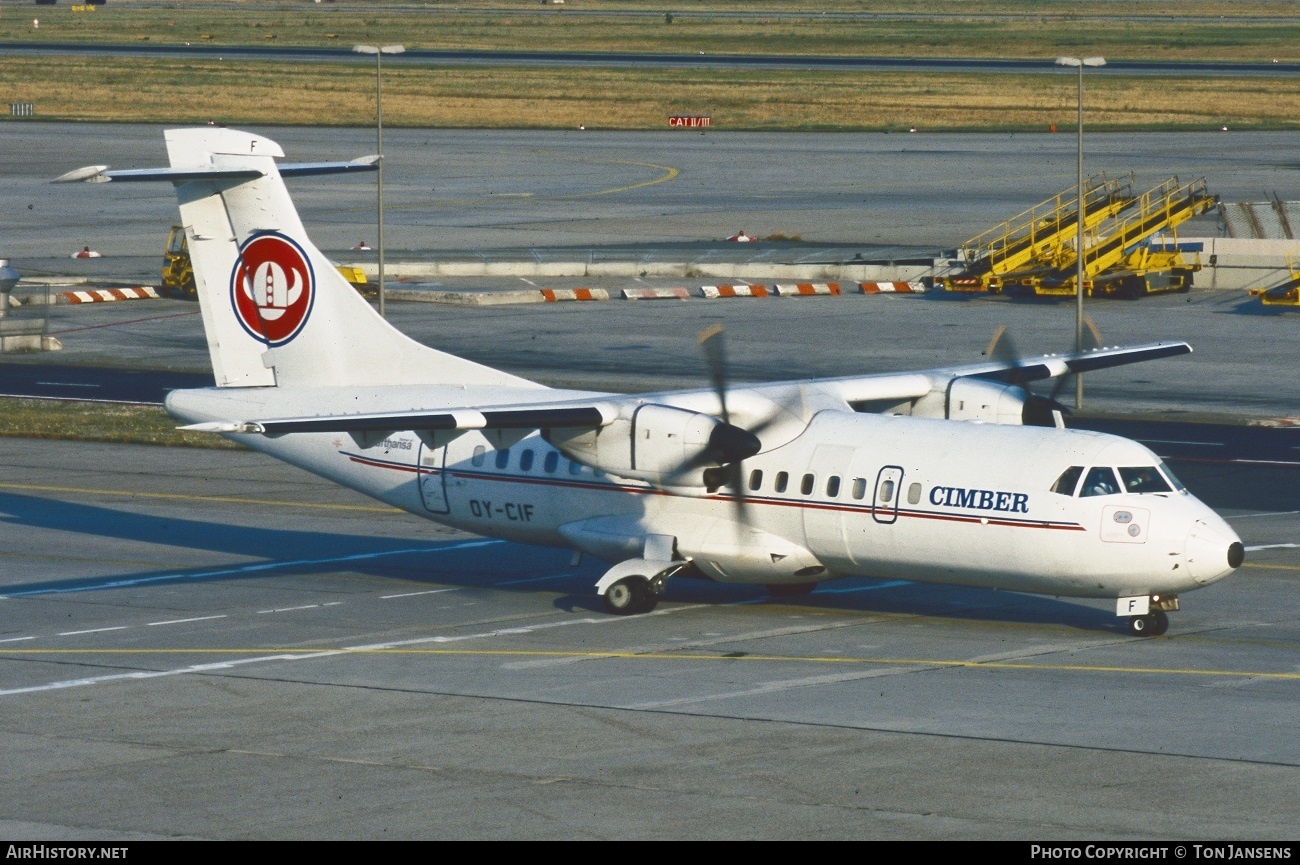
(275, 310)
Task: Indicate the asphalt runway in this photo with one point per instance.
(202, 643)
(207, 644)
(481, 191)
(712, 60)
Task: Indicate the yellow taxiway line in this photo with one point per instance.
(676, 656)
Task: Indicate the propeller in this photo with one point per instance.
(732, 470)
(1038, 408)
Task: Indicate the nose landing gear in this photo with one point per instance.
(1147, 614)
(1153, 624)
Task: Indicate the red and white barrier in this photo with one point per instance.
(551, 295)
(655, 293)
(892, 287)
(104, 295)
(734, 291)
(807, 288)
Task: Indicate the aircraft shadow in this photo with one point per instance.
(479, 564)
(887, 597)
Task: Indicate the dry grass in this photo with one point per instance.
(97, 421)
(178, 91)
(1188, 30)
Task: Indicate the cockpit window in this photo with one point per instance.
(1172, 478)
(1143, 479)
(1100, 481)
(1068, 480)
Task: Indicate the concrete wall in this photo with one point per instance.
(1243, 263)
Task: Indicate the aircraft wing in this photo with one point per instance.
(855, 389)
(524, 417)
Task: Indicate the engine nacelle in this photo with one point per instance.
(658, 443)
(979, 399)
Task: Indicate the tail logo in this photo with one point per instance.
(272, 288)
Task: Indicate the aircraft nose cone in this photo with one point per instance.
(1213, 552)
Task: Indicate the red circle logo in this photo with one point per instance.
(272, 288)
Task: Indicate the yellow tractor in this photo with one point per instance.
(178, 270)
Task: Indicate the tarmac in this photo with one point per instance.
(207, 644)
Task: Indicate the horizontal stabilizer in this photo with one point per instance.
(101, 174)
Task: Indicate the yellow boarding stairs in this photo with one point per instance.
(1034, 238)
(1117, 261)
(178, 271)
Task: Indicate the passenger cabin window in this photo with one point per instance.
(480, 454)
(1100, 481)
(806, 485)
(756, 479)
(503, 459)
(914, 494)
(551, 463)
(575, 468)
(1068, 480)
(526, 461)
(886, 492)
(833, 486)
(782, 481)
(1143, 479)
(859, 488)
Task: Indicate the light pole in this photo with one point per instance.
(1078, 279)
(379, 52)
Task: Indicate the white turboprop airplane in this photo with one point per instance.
(937, 476)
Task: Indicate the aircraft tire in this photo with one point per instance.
(630, 596)
(1150, 625)
(1159, 622)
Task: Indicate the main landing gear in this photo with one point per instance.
(630, 596)
(635, 586)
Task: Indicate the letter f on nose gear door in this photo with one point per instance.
(884, 507)
(433, 479)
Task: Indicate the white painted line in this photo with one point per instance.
(889, 585)
(246, 569)
(1177, 442)
(414, 594)
(1272, 547)
(289, 609)
(783, 685)
(328, 653)
(183, 621)
(93, 631)
(1263, 514)
(533, 580)
(16, 639)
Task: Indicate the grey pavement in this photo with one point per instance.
(209, 644)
